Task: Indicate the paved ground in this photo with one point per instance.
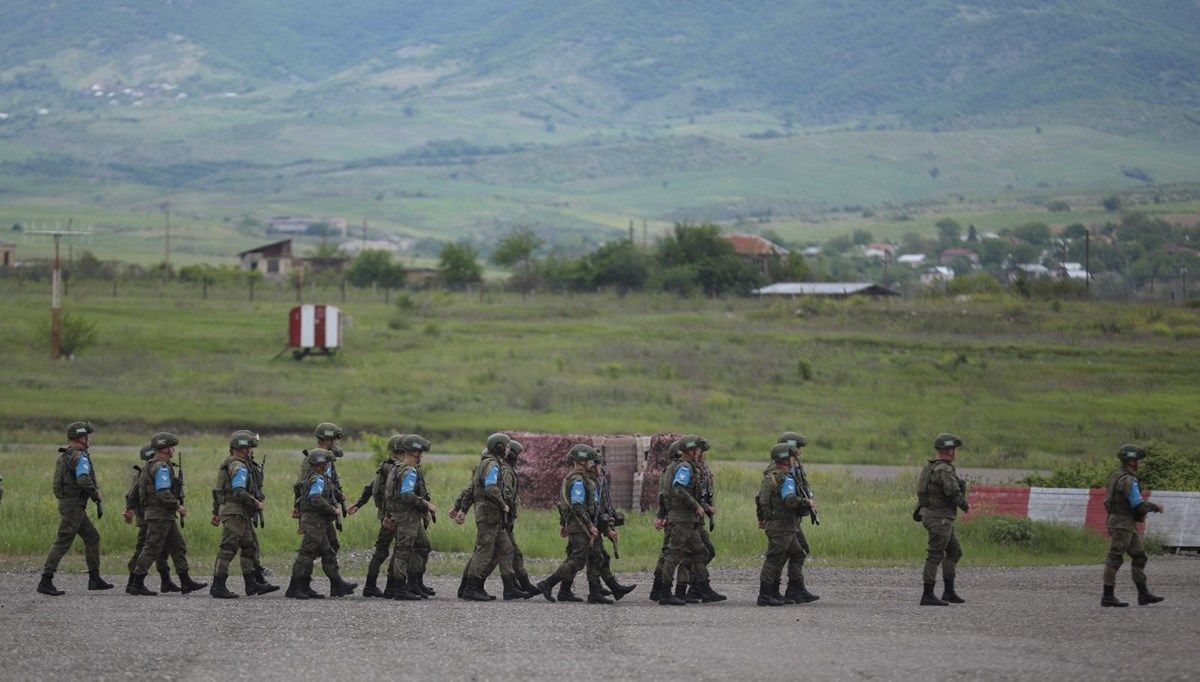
(1026, 624)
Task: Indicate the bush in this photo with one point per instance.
(1011, 530)
(77, 334)
(1164, 468)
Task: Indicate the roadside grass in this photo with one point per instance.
(862, 523)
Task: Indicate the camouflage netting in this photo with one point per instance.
(544, 463)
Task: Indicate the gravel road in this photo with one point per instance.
(1020, 624)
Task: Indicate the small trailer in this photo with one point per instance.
(314, 330)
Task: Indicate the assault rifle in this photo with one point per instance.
(806, 491)
(337, 483)
(182, 518)
(421, 478)
(258, 518)
(706, 496)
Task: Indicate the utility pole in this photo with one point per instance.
(167, 212)
(55, 297)
(1087, 262)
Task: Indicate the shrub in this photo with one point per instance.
(1011, 530)
(77, 334)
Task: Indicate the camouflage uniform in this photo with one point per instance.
(491, 536)
(599, 568)
(334, 491)
(406, 508)
(317, 513)
(577, 504)
(1127, 507)
(521, 587)
(159, 488)
(686, 543)
(782, 509)
(134, 506)
(375, 491)
(74, 484)
(940, 494)
(235, 501)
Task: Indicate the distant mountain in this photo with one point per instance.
(922, 62)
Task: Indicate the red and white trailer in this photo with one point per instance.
(314, 330)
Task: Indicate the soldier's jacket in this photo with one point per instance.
(158, 485)
(236, 490)
(940, 492)
(74, 479)
(577, 502)
(780, 502)
(133, 496)
(376, 490)
(317, 502)
(686, 484)
(405, 494)
(664, 492)
(509, 487)
(306, 470)
(604, 505)
(489, 501)
(1125, 503)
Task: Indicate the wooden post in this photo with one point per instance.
(55, 307)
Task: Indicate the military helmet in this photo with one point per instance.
(673, 449)
(1130, 453)
(705, 446)
(483, 454)
(162, 439)
(318, 456)
(79, 429)
(781, 452)
(497, 442)
(243, 439)
(581, 453)
(415, 443)
(396, 443)
(946, 441)
(147, 452)
(793, 439)
(515, 448)
(689, 442)
(328, 430)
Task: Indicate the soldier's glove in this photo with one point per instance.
(389, 523)
(965, 506)
(916, 515)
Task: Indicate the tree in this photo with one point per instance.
(459, 265)
(702, 254)
(791, 268)
(373, 267)
(515, 250)
(862, 237)
(1111, 204)
(1075, 231)
(1036, 233)
(949, 233)
(618, 264)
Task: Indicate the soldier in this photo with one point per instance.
(520, 587)
(74, 484)
(599, 568)
(782, 509)
(161, 491)
(695, 590)
(375, 491)
(576, 507)
(237, 499)
(317, 512)
(491, 539)
(327, 434)
(940, 494)
(796, 592)
(660, 521)
(684, 518)
(408, 513)
(463, 504)
(1127, 507)
(134, 509)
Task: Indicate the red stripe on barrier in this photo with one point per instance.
(994, 499)
(1097, 516)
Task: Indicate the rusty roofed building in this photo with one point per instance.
(274, 260)
(758, 252)
(8, 254)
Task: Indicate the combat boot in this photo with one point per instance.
(665, 598)
(413, 585)
(139, 589)
(1144, 596)
(389, 588)
(166, 584)
(594, 594)
(566, 591)
(219, 590)
(798, 592)
(340, 588)
(656, 588)
(483, 590)
(546, 587)
(618, 590)
(527, 587)
(261, 586)
(425, 589)
(372, 588)
(928, 598)
(708, 595)
(694, 592)
(766, 595)
(473, 591)
(681, 592)
(46, 586)
(95, 582)
(403, 591)
(511, 591)
(129, 581)
(294, 590)
(187, 585)
(1110, 599)
(462, 584)
(251, 585)
(602, 591)
(306, 586)
(948, 593)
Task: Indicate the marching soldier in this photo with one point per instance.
(697, 590)
(462, 505)
(660, 522)
(161, 491)
(74, 484)
(376, 491)
(796, 592)
(940, 494)
(1127, 506)
(491, 538)
(782, 509)
(237, 499)
(317, 512)
(576, 506)
(134, 509)
(684, 519)
(408, 512)
(327, 434)
(599, 567)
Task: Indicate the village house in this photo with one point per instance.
(760, 253)
(950, 255)
(273, 260)
(8, 254)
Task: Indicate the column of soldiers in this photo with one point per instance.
(404, 509)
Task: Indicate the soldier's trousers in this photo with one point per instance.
(237, 534)
(783, 547)
(599, 565)
(578, 547)
(162, 534)
(518, 559)
(383, 548)
(74, 521)
(491, 540)
(685, 545)
(943, 549)
(803, 544)
(160, 563)
(684, 571)
(1124, 542)
(315, 544)
(708, 545)
(412, 545)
